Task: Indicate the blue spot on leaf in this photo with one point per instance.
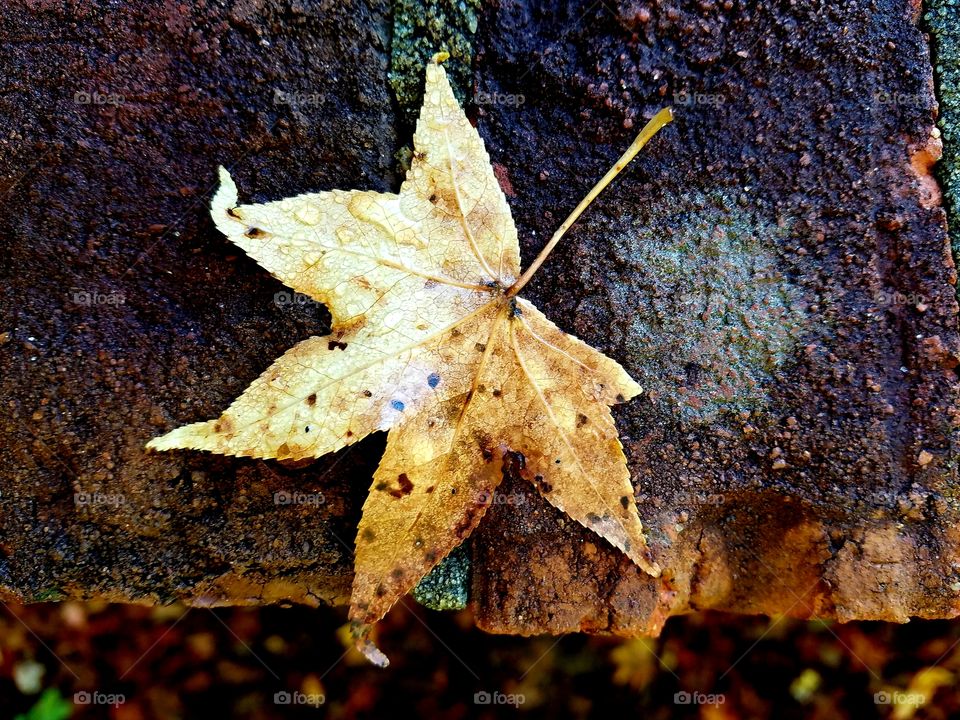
(433, 380)
(397, 405)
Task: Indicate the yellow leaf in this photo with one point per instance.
(430, 343)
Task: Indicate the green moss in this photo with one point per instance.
(49, 706)
(49, 595)
(446, 587)
(943, 19)
(404, 156)
(707, 316)
(421, 29)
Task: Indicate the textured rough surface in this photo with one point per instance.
(825, 486)
(447, 587)
(121, 301)
(422, 29)
(704, 309)
(833, 493)
(943, 20)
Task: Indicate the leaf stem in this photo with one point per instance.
(649, 130)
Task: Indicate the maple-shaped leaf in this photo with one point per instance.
(431, 343)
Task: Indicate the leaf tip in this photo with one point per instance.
(363, 643)
(440, 57)
(159, 443)
(641, 555)
(185, 437)
(372, 653)
(651, 568)
(632, 389)
(225, 199)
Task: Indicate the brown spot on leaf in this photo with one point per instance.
(406, 486)
(625, 501)
(336, 345)
(351, 325)
(224, 425)
(368, 534)
(254, 232)
(581, 420)
(312, 399)
(542, 485)
(486, 447)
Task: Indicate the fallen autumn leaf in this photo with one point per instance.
(430, 342)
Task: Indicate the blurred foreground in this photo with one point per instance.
(130, 662)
